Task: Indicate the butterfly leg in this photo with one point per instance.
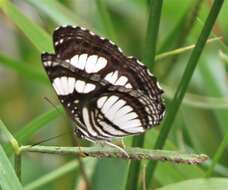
(114, 146)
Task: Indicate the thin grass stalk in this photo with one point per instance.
(149, 59)
(173, 35)
(218, 155)
(182, 87)
(106, 19)
(185, 31)
(152, 32)
(134, 168)
(110, 152)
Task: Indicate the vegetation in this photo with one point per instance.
(183, 44)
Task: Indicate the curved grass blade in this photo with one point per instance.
(39, 38)
(25, 133)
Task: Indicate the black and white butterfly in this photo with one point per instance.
(106, 93)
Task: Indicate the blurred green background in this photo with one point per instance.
(200, 125)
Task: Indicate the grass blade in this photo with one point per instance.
(39, 38)
(8, 179)
(25, 133)
(148, 59)
(152, 32)
(106, 20)
(29, 129)
(175, 104)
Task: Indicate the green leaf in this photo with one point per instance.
(40, 39)
(8, 178)
(202, 184)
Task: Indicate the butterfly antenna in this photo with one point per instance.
(50, 102)
(51, 138)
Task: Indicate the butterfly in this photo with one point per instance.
(106, 93)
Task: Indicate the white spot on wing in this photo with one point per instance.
(90, 63)
(107, 105)
(111, 129)
(112, 77)
(140, 63)
(61, 41)
(82, 61)
(121, 112)
(79, 86)
(128, 85)
(74, 60)
(71, 84)
(159, 85)
(101, 63)
(121, 81)
(149, 73)
(92, 33)
(101, 101)
(64, 84)
(115, 107)
(86, 119)
(89, 87)
(56, 88)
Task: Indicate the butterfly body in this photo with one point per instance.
(106, 93)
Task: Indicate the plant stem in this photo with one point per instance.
(108, 152)
(155, 7)
(175, 104)
(17, 165)
(134, 168)
(181, 50)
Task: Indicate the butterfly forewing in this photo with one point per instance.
(107, 93)
(76, 45)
